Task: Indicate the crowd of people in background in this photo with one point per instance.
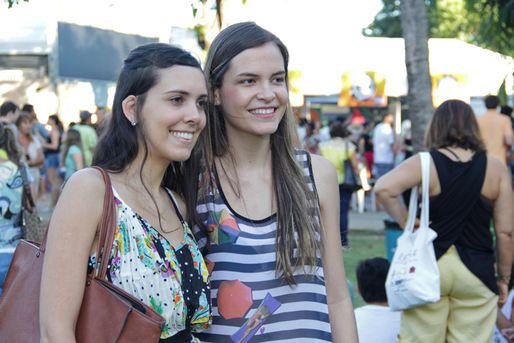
(232, 189)
(52, 153)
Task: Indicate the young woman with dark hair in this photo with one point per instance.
(158, 114)
(467, 189)
(269, 211)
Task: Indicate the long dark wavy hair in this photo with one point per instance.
(121, 142)
(297, 207)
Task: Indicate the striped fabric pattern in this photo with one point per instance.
(244, 250)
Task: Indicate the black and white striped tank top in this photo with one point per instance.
(250, 304)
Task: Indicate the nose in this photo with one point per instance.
(266, 92)
(193, 113)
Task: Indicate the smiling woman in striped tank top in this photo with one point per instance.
(268, 213)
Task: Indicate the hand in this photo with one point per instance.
(508, 334)
(504, 293)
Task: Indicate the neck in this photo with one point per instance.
(249, 150)
(152, 174)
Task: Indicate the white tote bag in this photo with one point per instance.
(413, 278)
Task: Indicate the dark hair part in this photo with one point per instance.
(9, 142)
(371, 277)
(72, 138)
(454, 125)
(337, 129)
(297, 207)
(120, 142)
(7, 107)
(491, 102)
(21, 117)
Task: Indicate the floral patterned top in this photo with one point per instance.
(174, 281)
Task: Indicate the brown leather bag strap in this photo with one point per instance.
(107, 225)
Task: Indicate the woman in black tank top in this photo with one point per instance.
(467, 189)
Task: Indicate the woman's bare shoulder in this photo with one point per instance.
(86, 182)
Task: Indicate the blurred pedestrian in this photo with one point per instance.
(40, 129)
(52, 148)
(337, 150)
(11, 191)
(72, 153)
(8, 114)
(384, 146)
(365, 146)
(88, 136)
(32, 150)
(310, 141)
(496, 130)
(36, 125)
(467, 189)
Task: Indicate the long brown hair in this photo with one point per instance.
(454, 125)
(298, 224)
(72, 138)
(9, 143)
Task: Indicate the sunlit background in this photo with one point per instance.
(324, 38)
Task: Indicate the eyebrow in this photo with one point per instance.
(184, 93)
(255, 75)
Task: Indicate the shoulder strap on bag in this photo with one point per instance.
(425, 183)
(107, 225)
(413, 204)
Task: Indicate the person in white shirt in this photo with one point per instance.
(376, 322)
(383, 146)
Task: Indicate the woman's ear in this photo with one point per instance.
(129, 108)
(217, 97)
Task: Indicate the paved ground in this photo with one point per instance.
(356, 221)
(368, 220)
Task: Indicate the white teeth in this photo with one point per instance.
(263, 111)
(184, 135)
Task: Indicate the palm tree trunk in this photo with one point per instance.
(419, 98)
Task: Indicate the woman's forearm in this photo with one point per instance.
(393, 207)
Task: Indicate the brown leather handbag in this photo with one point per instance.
(107, 314)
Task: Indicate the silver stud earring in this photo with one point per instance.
(133, 122)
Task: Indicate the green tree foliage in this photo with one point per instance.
(496, 29)
(486, 23)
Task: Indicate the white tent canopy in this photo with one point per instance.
(322, 66)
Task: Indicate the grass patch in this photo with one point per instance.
(364, 245)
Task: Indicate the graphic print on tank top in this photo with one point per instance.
(250, 302)
(234, 298)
